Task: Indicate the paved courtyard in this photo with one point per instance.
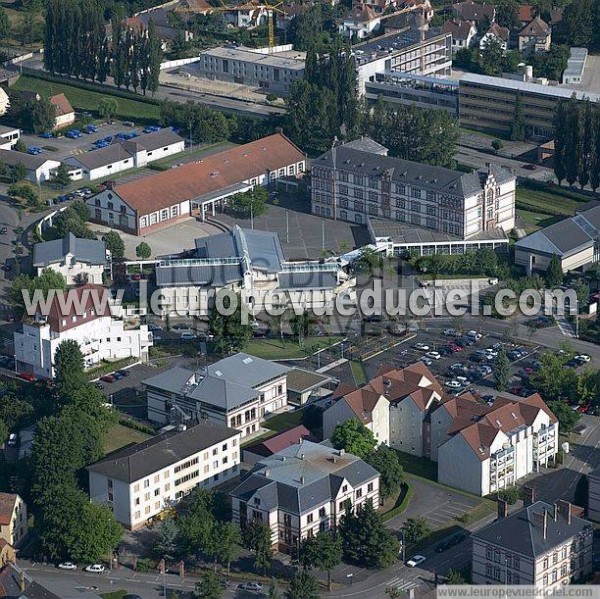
(304, 235)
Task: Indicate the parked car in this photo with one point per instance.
(108, 378)
(27, 376)
(118, 376)
(415, 561)
(3, 230)
(433, 355)
(128, 124)
(95, 568)
(99, 386)
(583, 358)
(251, 586)
(34, 150)
(91, 129)
(73, 134)
(426, 361)
(46, 135)
(67, 566)
(453, 384)
(13, 440)
(123, 373)
(451, 332)
(188, 336)
(421, 346)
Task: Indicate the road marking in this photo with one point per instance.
(402, 584)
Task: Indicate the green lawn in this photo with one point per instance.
(276, 349)
(119, 436)
(114, 594)
(358, 372)
(88, 100)
(555, 201)
(535, 220)
(196, 153)
(284, 422)
(418, 466)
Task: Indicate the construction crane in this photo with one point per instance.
(271, 9)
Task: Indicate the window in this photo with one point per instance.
(147, 481)
(164, 215)
(489, 554)
(98, 214)
(215, 450)
(136, 501)
(174, 211)
(344, 190)
(358, 493)
(216, 464)
(110, 206)
(370, 488)
(309, 519)
(415, 206)
(156, 492)
(110, 496)
(322, 512)
(97, 203)
(345, 489)
(123, 209)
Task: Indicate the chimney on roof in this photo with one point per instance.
(564, 509)
(267, 472)
(529, 498)
(22, 581)
(301, 480)
(545, 524)
(502, 509)
(541, 519)
(300, 440)
(302, 457)
(342, 452)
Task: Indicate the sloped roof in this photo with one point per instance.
(479, 424)
(62, 106)
(537, 28)
(473, 11)
(29, 161)
(523, 530)
(526, 13)
(8, 503)
(364, 13)
(211, 173)
(89, 251)
(278, 442)
(302, 476)
(502, 33)
(143, 459)
(460, 30)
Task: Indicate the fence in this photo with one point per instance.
(169, 64)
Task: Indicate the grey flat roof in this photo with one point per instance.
(133, 463)
(245, 369)
(523, 530)
(173, 275)
(247, 55)
(307, 280)
(407, 233)
(98, 158)
(89, 251)
(526, 87)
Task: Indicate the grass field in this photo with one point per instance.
(358, 372)
(276, 349)
(418, 466)
(542, 207)
(284, 422)
(119, 436)
(88, 100)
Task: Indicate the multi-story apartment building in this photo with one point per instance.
(482, 449)
(303, 490)
(418, 206)
(488, 103)
(140, 481)
(88, 315)
(416, 51)
(237, 392)
(542, 545)
(13, 519)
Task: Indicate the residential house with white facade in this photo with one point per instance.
(482, 449)
(123, 155)
(4, 102)
(462, 32)
(85, 314)
(413, 206)
(496, 34)
(542, 545)
(196, 188)
(535, 37)
(237, 391)
(9, 136)
(252, 264)
(13, 519)
(593, 507)
(303, 490)
(65, 115)
(361, 23)
(140, 481)
(78, 260)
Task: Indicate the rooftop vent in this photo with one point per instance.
(301, 480)
(247, 360)
(218, 373)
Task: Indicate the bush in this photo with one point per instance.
(137, 426)
(158, 167)
(271, 98)
(511, 495)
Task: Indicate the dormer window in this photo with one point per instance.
(63, 322)
(73, 318)
(256, 501)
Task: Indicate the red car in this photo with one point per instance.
(456, 348)
(108, 378)
(584, 409)
(27, 376)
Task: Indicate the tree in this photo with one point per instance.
(4, 432)
(229, 539)
(455, 577)
(501, 370)
(554, 381)
(250, 204)
(229, 331)
(114, 244)
(42, 116)
(143, 251)
(365, 539)
(61, 175)
(22, 285)
(325, 553)
(354, 437)
(507, 14)
(416, 529)
(209, 587)
(257, 538)
(69, 375)
(4, 25)
(17, 172)
(387, 462)
(107, 108)
(166, 543)
(517, 126)
(554, 272)
(274, 592)
(497, 145)
(567, 418)
(303, 586)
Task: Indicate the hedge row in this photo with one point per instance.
(396, 511)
